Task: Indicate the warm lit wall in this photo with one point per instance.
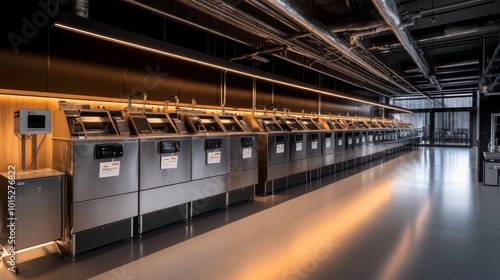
(52, 61)
(10, 144)
(10, 151)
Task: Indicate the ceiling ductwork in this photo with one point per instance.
(287, 8)
(375, 46)
(256, 32)
(423, 37)
(388, 11)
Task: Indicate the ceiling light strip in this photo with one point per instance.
(219, 67)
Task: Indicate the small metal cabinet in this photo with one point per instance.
(491, 169)
(38, 207)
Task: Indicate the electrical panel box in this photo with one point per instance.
(31, 121)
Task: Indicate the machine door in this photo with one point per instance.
(164, 161)
(104, 168)
(210, 156)
(313, 144)
(328, 143)
(349, 141)
(244, 153)
(277, 148)
(298, 146)
(357, 139)
(340, 142)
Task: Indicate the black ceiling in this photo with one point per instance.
(382, 47)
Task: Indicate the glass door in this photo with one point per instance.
(452, 128)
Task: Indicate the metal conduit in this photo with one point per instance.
(333, 40)
(388, 11)
(295, 47)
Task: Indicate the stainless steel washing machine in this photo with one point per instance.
(342, 142)
(210, 163)
(297, 148)
(244, 158)
(102, 170)
(273, 153)
(315, 146)
(164, 168)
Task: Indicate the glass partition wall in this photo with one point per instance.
(450, 128)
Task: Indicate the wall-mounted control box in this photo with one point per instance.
(30, 121)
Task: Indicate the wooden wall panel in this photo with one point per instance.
(10, 145)
(83, 65)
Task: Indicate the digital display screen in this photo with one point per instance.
(36, 121)
(108, 151)
(142, 126)
(170, 146)
(167, 145)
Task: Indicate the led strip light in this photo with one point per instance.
(219, 67)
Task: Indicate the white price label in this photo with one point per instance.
(340, 142)
(298, 146)
(280, 148)
(357, 140)
(109, 169)
(247, 153)
(213, 157)
(328, 143)
(314, 145)
(349, 141)
(363, 139)
(169, 162)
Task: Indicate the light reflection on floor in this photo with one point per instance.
(418, 216)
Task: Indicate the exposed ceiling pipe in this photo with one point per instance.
(447, 65)
(234, 17)
(439, 33)
(388, 11)
(355, 36)
(458, 64)
(451, 90)
(493, 57)
(459, 78)
(231, 15)
(270, 12)
(261, 51)
(457, 83)
(320, 70)
(449, 6)
(182, 20)
(450, 31)
(407, 21)
(493, 85)
(286, 8)
(462, 70)
(354, 26)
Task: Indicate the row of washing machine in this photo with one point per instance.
(131, 172)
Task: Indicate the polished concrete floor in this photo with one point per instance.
(418, 215)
